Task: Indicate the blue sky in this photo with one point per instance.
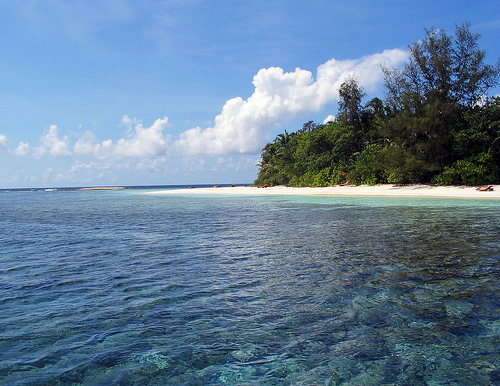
(129, 92)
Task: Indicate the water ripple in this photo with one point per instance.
(124, 288)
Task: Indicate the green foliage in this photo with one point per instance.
(368, 168)
(482, 127)
(323, 178)
(476, 170)
(449, 66)
(351, 95)
(430, 128)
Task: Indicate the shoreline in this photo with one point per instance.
(386, 190)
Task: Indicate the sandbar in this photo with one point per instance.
(350, 190)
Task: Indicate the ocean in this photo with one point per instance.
(130, 287)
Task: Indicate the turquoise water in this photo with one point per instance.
(122, 287)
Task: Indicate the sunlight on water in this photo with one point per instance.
(121, 287)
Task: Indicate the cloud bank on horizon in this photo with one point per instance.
(243, 126)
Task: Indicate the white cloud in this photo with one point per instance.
(23, 149)
(81, 173)
(330, 118)
(140, 141)
(3, 145)
(85, 145)
(51, 144)
(244, 126)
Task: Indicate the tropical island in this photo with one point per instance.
(436, 125)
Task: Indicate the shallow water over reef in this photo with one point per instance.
(119, 287)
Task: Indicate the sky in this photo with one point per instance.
(168, 92)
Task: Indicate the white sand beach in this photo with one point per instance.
(350, 190)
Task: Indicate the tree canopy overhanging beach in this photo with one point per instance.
(437, 125)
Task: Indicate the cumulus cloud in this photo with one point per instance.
(140, 141)
(54, 145)
(23, 149)
(51, 144)
(243, 126)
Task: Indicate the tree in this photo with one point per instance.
(350, 109)
(277, 160)
(473, 78)
(442, 66)
(445, 76)
(308, 126)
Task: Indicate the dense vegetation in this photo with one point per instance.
(436, 125)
